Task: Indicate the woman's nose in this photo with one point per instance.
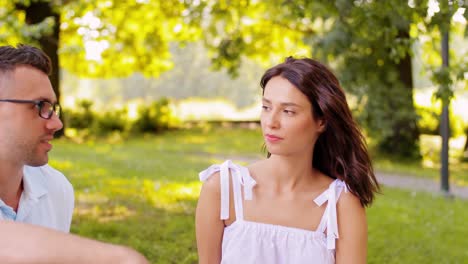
(273, 120)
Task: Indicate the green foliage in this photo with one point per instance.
(234, 29)
(155, 117)
(368, 43)
(13, 28)
(370, 62)
(442, 77)
(82, 116)
(429, 120)
(396, 131)
(112, 121)
(131, 36)
(376, 65)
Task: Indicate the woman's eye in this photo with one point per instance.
(289, 112)
(264, 107)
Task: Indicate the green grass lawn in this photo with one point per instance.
(142, 192)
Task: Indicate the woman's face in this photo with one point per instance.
(287, 122)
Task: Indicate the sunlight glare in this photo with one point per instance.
(215, 109)
(94, 49)
(433, 8)
(132, 110)
(458, 16)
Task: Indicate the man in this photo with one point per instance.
(30, 190)
(28, 244)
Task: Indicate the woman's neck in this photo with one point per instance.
(289, 173)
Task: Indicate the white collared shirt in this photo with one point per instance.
(47, 199)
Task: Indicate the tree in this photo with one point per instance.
(99, 38)
(117, 38)
(465, 149)
(369, 43)
(444, 77)
(373, 64)
(36, 13)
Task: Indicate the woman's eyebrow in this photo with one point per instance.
(264, 100)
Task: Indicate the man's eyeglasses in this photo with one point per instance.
(46, 109)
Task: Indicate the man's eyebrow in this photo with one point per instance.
(42, 98)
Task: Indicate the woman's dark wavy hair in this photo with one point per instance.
(340, 151)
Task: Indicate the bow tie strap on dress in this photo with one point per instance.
(240, 173)
(331, 195)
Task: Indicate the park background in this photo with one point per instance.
(155, 91)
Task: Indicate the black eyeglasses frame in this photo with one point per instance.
(53, 108)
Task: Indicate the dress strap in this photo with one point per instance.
(329, 221)
(240, 176)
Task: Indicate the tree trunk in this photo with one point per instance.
(465, 149)
(36, 12)
(403, 140)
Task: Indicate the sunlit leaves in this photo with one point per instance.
(125, 36)
(13, 29)
(106, 38)
(236, 29)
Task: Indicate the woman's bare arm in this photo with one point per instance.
(209, 226)
(351, 247)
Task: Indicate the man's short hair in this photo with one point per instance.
(11, 57)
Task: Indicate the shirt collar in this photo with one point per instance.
(34, 185)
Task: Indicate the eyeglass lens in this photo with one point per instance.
(47, 109)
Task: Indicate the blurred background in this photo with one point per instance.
(155, 91)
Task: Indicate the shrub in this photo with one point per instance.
(111, 121)
(82, 116)
(155, 117)
(429, 121)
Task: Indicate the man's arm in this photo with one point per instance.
(26, 244)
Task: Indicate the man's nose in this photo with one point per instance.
(54, 123)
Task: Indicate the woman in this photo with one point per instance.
(305, 202)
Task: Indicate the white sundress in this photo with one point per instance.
(249, 242)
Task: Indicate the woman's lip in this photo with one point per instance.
(272, 137)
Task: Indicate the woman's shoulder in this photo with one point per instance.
(348, 201)
(212, 183)
(212, 177)
(257, 168)
(216, 168)
(212, 174)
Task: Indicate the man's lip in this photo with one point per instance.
(47, 139)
